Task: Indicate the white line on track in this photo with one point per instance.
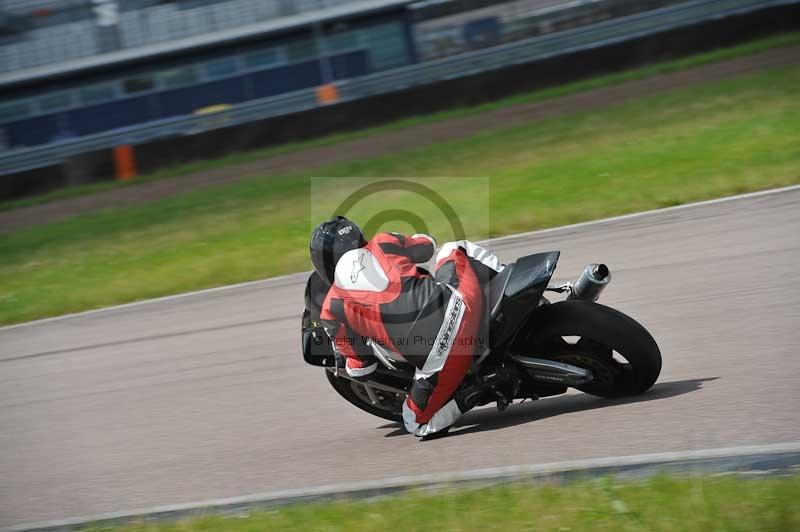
(294, 277)
(389, 485)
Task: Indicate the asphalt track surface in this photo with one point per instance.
(206, 396)
(394, 141)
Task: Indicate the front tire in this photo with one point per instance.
(622, 356)
(353, 392)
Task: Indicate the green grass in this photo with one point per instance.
(729, 137)
(753, 47)
(660, 504)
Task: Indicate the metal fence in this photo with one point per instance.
(595, 35)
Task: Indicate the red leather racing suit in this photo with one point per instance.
(383, 306)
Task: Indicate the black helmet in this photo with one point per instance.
(332, 239)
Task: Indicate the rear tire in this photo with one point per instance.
(345, 388)
(601, 331)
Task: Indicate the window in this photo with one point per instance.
(340, 42)
(95, 94)
(11, 111)
(55, 101)
(301, 51)
(388, 47)
(220, 68)
(138, 84)
(178, 77)
(262, 58)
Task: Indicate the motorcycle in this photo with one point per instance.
(535, 348)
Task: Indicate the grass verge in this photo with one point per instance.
(668, 504)
(750, 48)
(723, 138)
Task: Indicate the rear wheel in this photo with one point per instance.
(388, 405)
(622, 356)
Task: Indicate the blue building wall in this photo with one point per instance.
(108, 100)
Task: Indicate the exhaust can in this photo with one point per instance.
(591, 283)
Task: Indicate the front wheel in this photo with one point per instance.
(387, 406)
(623, 357)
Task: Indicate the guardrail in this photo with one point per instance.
(586, 37)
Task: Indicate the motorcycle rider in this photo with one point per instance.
(381, 306)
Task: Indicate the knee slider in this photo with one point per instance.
(421, 390)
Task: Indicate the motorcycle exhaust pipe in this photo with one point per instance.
(591, 283)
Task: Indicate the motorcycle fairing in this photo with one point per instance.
(314, 342)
